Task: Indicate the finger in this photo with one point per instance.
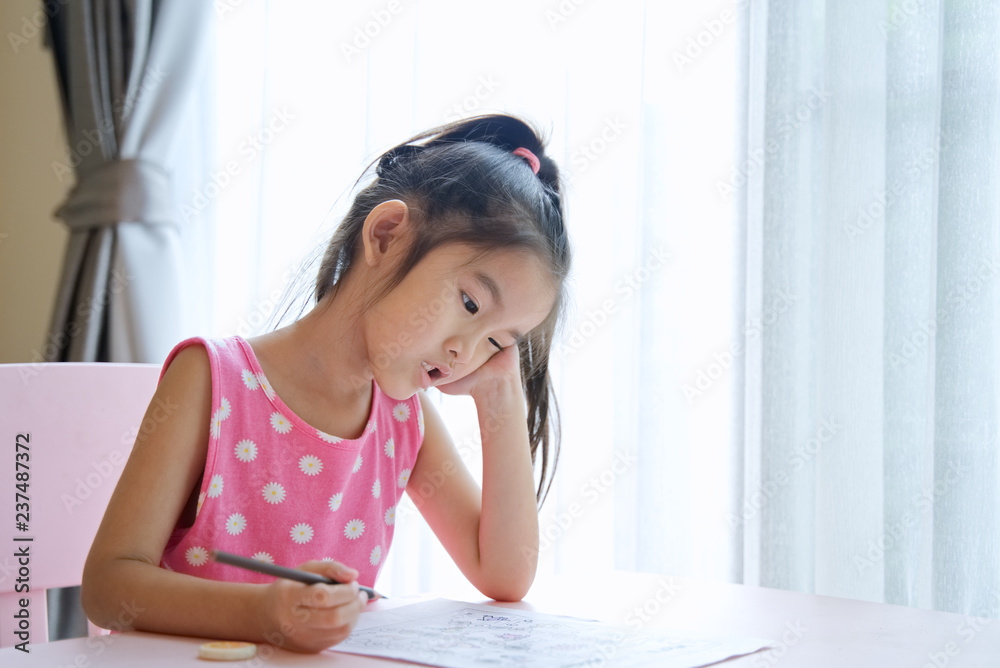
(337, 617)
(331, 569)
(321, 596)
(342, 572)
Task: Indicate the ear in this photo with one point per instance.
(384, 229)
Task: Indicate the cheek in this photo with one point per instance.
(407, 326)
(483, 356)
(477, 361)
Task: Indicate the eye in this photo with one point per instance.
(494, 342)
(470, 306)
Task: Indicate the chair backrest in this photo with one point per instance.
(66, 431)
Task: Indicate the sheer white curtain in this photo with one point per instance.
(872, 214)
(639, 101)
(780, 367)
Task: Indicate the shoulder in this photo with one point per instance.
(190, 355)
(184, 348)
(206, 355)
(188, 370)
(197, 367)
(177, 418)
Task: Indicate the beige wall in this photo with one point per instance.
(32, 241)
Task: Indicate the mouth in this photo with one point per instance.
(435, 372)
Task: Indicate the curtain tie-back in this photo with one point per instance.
(122, 190)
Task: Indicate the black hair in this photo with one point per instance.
(462, 183)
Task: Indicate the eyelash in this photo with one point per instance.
(473, 308)
(470, 306)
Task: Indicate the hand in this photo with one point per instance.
(310, 618)
(502, 368)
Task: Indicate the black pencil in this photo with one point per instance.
(281, 572)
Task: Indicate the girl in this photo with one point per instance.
(295, 446)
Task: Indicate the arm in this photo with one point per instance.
(491, 534)
(122, 573)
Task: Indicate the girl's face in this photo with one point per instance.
(452, 312)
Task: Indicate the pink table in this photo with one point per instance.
(810, 631)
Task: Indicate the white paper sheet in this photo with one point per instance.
(453, 634)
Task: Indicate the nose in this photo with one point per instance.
(460, 350)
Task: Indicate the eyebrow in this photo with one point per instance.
(491, 286)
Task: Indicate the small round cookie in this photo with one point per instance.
(227, 650)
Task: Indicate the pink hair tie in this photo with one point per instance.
(530, 157)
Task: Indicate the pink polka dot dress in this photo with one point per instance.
(279, 490)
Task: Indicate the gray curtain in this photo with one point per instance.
(871, 423)
(125, 70)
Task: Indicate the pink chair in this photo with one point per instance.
(67, 430)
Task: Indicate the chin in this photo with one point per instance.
(402, 395)
(397, 391)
